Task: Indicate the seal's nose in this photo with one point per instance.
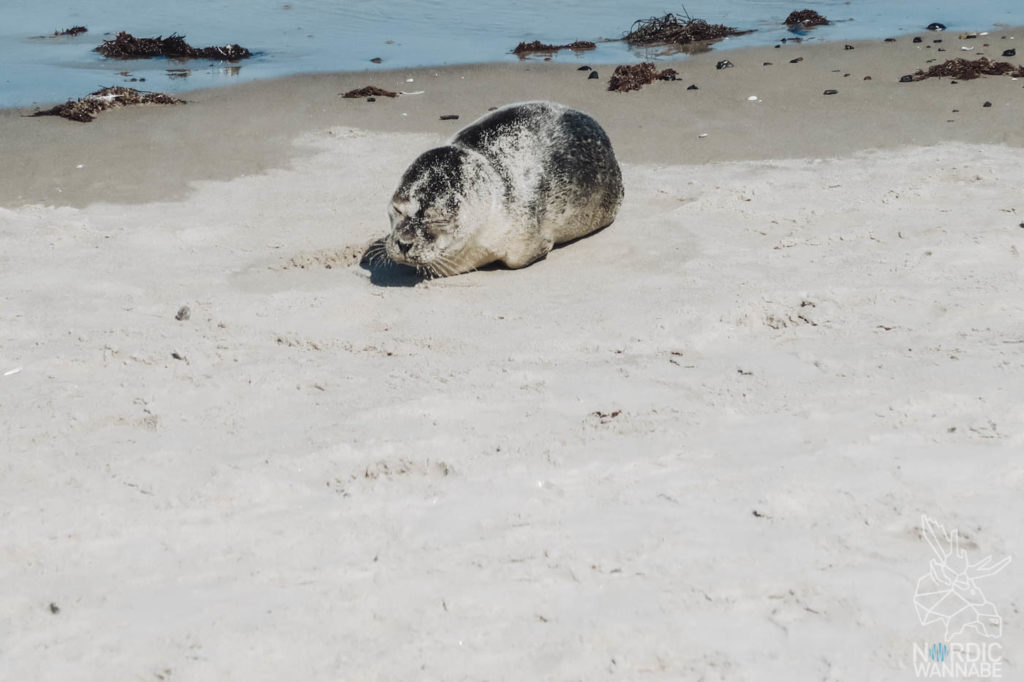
(403, 246)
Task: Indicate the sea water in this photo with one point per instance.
(303, 36)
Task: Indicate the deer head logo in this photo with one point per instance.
(948, 593)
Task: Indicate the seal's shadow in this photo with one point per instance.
(385, 272)
(588, 235)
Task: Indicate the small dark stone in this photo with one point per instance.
(987, 104)
(1010, 53)
(184, 313)
(952, 82)
(584, 68)
(917, 39)
(177, 356)
(371, 99)
(778, 46)
(593, 74)
(848, 47)
(54, 609)
(942, 49)
(724, 64)
(906, 79)
(766, 64)
(890, 40)
(450, 117)
(956, 111)
(936, 26)
(846, 75)
(376, 60)
(693, 87)
(937, 40)
(867, 78)
(831, 92)
(796, 61)
(1021, 226)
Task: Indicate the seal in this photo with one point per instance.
(506, 188)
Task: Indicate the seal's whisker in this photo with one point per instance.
(446, 266)
(377, 255)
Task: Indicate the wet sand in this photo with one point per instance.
(138, 155)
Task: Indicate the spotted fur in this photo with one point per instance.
(506, 188)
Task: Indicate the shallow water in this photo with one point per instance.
(318, 35)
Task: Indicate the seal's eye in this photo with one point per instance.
(401, 210)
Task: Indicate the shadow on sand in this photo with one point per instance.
(385, 272)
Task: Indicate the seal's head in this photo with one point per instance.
(436, 208)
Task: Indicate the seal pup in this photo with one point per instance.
(506, 188)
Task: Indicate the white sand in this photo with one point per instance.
(341, 480)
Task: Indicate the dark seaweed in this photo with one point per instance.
(673, 30)
(537, 46)
(73, 31)
(369, 91)
(805, 18)
(127, 46)
(964, 69)
(635, 76)
(86, 108)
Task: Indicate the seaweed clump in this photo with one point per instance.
(672, 30)
(536, 46)
(369, 91)
(635, 76)
(73, 31)
(965, 69)
(127, 46)
(805, 18)
(86, 108)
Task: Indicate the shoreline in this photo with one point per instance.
(36, 78)
(141, 154)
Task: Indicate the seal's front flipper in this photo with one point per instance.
(527, 253)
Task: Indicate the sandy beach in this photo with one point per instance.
(696, 445)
